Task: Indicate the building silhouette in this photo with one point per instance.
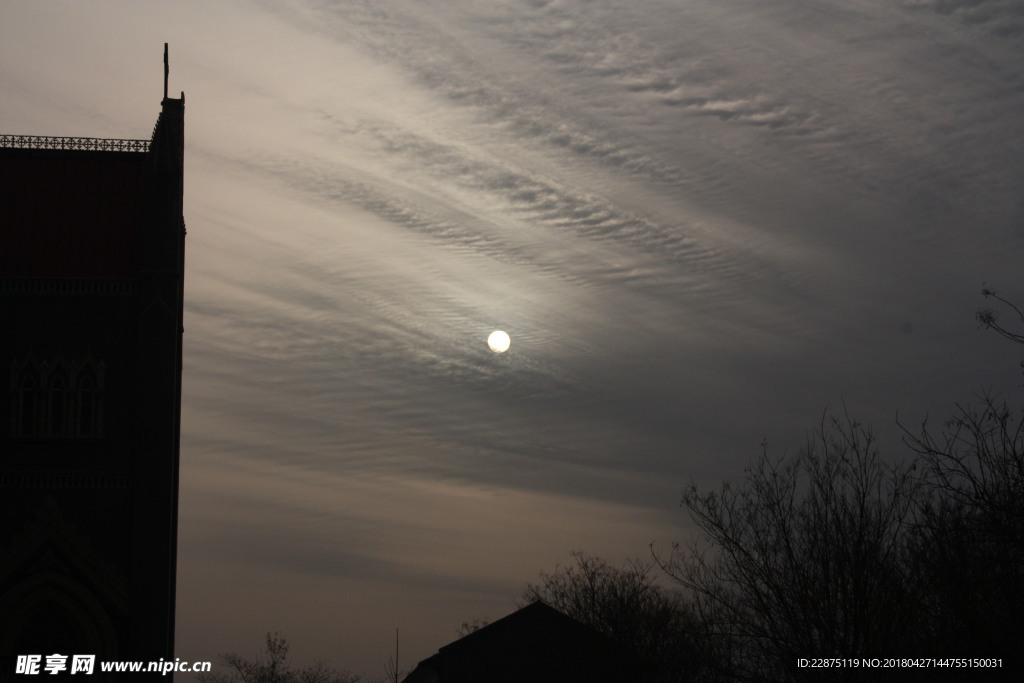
(536, 643)
(91, 274)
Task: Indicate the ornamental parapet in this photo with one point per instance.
(69, 143)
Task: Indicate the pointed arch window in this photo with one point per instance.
(56, 399)
(26, 404)
(57, 404)
(86, 419)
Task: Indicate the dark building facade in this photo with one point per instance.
(91, 279)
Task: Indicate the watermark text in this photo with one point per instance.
(86, 665)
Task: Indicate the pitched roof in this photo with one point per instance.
(536, 643)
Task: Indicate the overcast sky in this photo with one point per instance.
(701, 222)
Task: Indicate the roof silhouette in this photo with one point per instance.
(536, 643)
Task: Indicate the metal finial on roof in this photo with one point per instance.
(167, 70)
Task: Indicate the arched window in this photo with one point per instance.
(25, 412)
(57, 400)
(86, 418)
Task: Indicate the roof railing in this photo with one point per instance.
(62, 142)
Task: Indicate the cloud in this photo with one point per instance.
(1004, 18)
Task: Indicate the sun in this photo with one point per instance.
(499, 341)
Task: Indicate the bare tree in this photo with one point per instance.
(471, 626)
(272, 666)
(810, 556)
(972, 529)
(629, 606)
(989, 317)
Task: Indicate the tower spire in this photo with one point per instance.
(167, 70)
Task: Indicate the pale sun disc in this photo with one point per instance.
(498, 341)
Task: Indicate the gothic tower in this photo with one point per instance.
(91, 276)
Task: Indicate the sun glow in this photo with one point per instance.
(499, 341)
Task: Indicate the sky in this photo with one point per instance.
(701, 223)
